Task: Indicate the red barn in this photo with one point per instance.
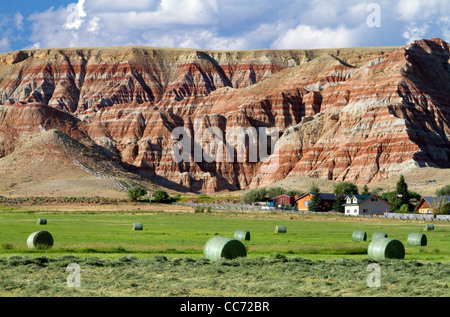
(285, 200)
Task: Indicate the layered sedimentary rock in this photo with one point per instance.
(359, 115)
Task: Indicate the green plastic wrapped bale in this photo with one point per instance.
(40, 240)
(280, 229)
(359, 236)
(242, 235)
(138, 226)
(417, 239)
(220, 247)
(384, 248)
(429, 227)
(377, 235)
(41, 221)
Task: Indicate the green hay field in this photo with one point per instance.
(316, 257)
(315, 237)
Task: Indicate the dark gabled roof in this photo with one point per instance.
(430, 200)
(327, 196)
(322, 196)
(360, 199)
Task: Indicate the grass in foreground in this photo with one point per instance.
(272, 276)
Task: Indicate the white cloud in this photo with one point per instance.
(18, 18)
(408, 10)
(310, 37)
(415, 32)
(94, 24)
(236, 24)
(76, 16)
(4, 44)
(420, 10)
(121, 6)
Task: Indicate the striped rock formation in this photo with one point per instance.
(360, 115)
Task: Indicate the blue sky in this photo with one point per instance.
(221, 24)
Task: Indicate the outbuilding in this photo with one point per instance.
(285, 200)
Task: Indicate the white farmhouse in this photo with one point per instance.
(357, 205)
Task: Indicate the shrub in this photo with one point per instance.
(441, 208)
(346, 188)
(273, 192)
(199, 210)
(366, 190)
(255, 195)
(135, 192)
(404, 209)
(444, 191)
(294, 192)
(161, 196)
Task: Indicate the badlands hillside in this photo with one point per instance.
(102, 118)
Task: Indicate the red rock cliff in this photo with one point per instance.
(359, 115)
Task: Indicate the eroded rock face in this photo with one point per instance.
(360, 115)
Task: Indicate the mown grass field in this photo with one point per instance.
(316, 257)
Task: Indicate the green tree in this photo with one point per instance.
(338, 203)
(346, 188)
(135, 192)
(402, 194)
(255, 195)
(294, 192)
(274, 192)
(161, 196)
(366, 190)
(444, 191)
(392, 198)
(315, 203)
(441, 207)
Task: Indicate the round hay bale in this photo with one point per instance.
(221, 247)
(40, 240)
(384, 248)
(429, 227)
(377, 235)
(42, 221)
(280, 229)
(242, 235)
(359, 236)
(138, 226)
(417, 239)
